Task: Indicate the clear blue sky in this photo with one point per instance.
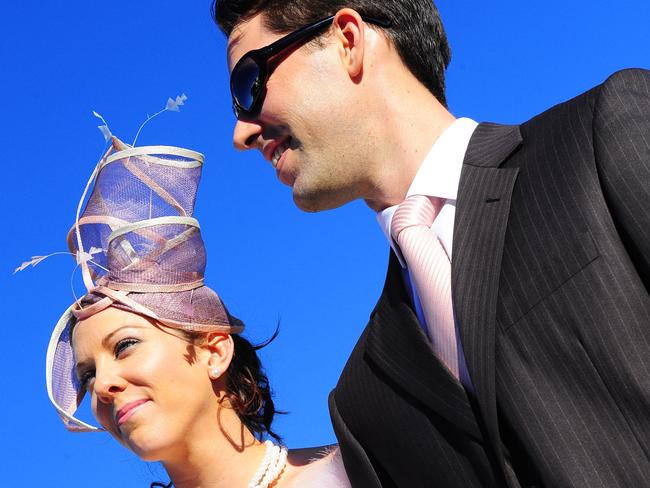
(319, 274)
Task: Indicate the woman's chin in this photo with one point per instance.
(150, 457)
(147, 453)
(148, 446)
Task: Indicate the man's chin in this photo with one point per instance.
(317, 201)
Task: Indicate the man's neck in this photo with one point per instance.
(412, 125)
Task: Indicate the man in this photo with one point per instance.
(524, 362)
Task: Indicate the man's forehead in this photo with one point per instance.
(248, 34)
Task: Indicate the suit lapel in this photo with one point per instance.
(482, 211)
(395, 341)
(397, 345)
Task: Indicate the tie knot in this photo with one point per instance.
(415, 210)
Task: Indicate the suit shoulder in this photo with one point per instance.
(622, 85)
(629, 77)
(564, 116)
(625, 90)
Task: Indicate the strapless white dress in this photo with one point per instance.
(327, 472)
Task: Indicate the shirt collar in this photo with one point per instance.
(439, 173)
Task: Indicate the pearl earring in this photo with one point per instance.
(214, 373)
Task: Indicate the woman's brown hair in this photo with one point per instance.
(248, 390)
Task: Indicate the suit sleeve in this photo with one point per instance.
(622, 152)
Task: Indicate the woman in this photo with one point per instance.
(168, 375)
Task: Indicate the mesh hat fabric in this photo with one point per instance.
(139, 249)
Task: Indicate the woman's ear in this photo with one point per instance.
(350, 31)
(220, 348)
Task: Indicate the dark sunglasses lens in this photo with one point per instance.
(245, 81)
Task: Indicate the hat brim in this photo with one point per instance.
(62, 387)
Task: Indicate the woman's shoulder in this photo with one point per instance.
(316, 467)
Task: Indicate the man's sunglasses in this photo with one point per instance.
(250, 74)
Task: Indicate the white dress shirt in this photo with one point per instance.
(438, 176)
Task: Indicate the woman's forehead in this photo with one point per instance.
(100, 325)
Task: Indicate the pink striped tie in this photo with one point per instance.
(430, 269)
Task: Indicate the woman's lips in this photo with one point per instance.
(127, 411)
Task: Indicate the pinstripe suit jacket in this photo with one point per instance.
(550, 287)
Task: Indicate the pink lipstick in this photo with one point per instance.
(125, 413)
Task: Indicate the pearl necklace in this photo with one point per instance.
(273, 462)
(272, 465)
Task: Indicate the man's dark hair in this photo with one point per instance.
(416, 30)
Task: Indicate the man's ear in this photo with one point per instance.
(220, 349)
(350, 31)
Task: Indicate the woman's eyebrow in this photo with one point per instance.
(82, 365)
(107, 339)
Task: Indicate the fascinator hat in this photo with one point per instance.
(139, 249)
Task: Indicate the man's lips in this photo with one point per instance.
(272, 147)
(286, 177)
(124, 413)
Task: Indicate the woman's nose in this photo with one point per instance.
(108, 383)
(245, 134)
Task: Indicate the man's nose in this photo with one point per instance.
(245, 134)
(108, 383)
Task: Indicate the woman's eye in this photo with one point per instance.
(123, 345)
(86, 377)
